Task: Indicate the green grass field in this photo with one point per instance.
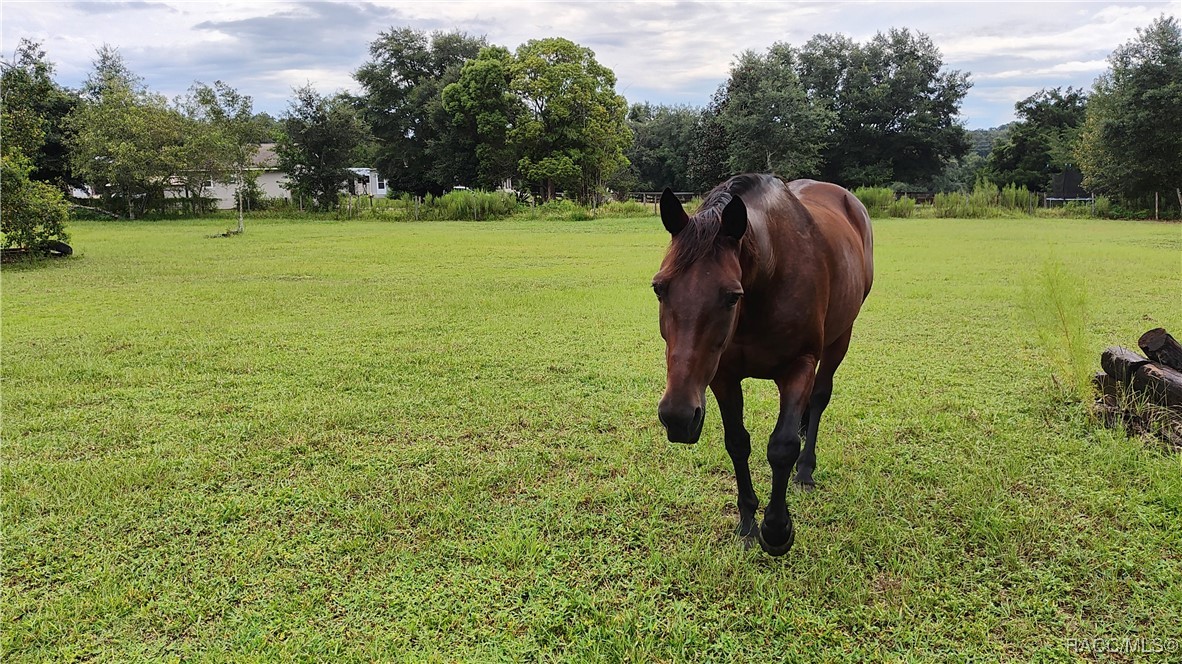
(369, 441)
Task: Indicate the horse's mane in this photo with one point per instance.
(697, 239)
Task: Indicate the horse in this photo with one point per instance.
(763, 281)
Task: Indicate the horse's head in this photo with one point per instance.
(699, 287)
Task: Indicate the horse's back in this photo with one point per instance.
(837, 212)
(844, 226)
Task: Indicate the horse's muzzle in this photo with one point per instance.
(682, 425)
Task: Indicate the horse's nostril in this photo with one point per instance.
(698, 415)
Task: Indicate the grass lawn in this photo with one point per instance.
(363, 441)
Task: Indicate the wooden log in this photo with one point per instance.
(1162, 385)
(1162, 348)
(1121, 363)
(1106, 385)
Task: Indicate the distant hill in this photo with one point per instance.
(982, 139)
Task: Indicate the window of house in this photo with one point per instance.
(381, 185)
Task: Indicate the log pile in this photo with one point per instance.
(1144, 393)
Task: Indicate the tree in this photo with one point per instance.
(225, 136)
(662, 139)
(572, 131)
(317, 148)
(1130, 140)
(402, 102)
(982, 140)
(1041, 142)
(34, 113)
(127, 143)
(483, 108)
(895, 109)
(707, 162)
(770, 124)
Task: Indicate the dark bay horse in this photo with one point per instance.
(763, 281)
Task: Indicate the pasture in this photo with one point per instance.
(365, 441)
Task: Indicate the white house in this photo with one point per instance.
(270, 181)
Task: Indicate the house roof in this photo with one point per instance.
(265, 157)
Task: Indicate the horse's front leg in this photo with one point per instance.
(729, 394)
(776, 534)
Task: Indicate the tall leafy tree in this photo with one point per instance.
(895, 107)
(662, 138)
(35, 108)
(223, 139)
(127, 143)
(483, 108)
(1130, 143)
(707, 163)
(402, 101)
(1041, 142)
(769, 121)
(321, 136)
(573, 131)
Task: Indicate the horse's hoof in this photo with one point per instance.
(747, 542)
(805, 486)
(776, 549)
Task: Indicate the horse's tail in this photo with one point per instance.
(860, 218)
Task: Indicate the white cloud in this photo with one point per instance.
(670, 52)
(1076, 67)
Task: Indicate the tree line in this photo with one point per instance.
(443, 109)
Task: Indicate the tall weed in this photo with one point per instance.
(1013, 197)
(902, 208)
(878, 200)
(1055, 304)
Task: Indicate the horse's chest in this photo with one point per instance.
(757, 351)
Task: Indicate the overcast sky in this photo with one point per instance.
(662, 52)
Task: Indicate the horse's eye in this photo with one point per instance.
(732, 299)
(659, 289)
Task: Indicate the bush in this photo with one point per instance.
(878, 200)
(624, 209)
(1013, 197)
(32, 214)
(458, 205)
(903, 208)
(564, 210)
(1103, 207)
(979, 204)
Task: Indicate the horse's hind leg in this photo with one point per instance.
(738, 445)
(831, 358)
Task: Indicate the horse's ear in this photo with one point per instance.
(672, 214)
(734, 219)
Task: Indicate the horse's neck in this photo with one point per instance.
(759, 255)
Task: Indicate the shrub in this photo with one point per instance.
(878, 200)
(563, 209)
(904, 207)
(623, 209)
(1013, 197)
(458, 205)
(979, 204)
(32, 214)
(1103, 207)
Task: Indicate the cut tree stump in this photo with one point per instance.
(1162, 348)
